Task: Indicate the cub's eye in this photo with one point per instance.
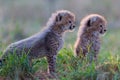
(100, 25)
(70, 21)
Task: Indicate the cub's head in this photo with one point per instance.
(95, 23)
(62, 20)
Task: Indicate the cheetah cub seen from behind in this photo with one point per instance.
(88, 39)
(49, 42)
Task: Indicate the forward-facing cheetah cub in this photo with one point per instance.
(88, 40)
(49, 42)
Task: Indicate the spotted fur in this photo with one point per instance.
(49, 42)
(88, 40)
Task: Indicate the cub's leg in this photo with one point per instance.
(51, 63)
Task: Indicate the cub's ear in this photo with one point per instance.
(58, 18)
(91, 21)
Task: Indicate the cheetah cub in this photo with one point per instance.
(49, 42)
(88, 40)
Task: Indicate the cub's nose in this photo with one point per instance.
(73, 26)
(105, 30)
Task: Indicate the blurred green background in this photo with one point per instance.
(22, 18)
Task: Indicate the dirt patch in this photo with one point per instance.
(1, 78)
(44, 76)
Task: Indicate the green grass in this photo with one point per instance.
(15, 68)
(80, 69)
(74, 68)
